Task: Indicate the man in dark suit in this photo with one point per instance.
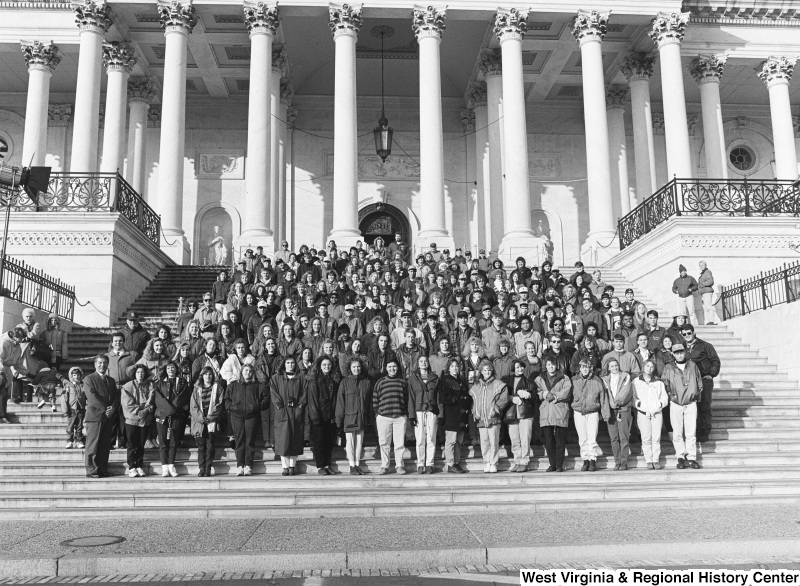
(102, 404)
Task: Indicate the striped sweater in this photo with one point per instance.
(390, 397)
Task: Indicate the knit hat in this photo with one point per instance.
(681, 269)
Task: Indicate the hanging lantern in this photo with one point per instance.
(383, 138)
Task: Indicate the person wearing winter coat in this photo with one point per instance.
(649, 399)
(619, 393)
(210, 358)
(685, 287)
(353, 412)
(684, 387)
(154, 357)
(589, 403)
(321, 388)
(231, 370)
(520, 415)
(390, 406)
(73, 405)
(554, 389)
(206, 408)
(441, 358)
(454, 406)
(56, 341)
(171, 398)
(705, 287)
(288, 403)
(423, 411)
(138, 404)
(489, 402)
(503, 362)
(245, 399)
(627, 361)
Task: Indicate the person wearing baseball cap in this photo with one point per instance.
(136, 337)
(685, 387)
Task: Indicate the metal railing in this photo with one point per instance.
(93, 192)
(709, 197)
(33, 287)
(765, 290)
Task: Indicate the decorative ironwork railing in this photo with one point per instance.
(93, 192)
(765, 290)
(33, 287)
(709, 197)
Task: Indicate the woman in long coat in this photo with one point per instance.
(288, 400)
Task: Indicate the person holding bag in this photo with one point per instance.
(206, 407)
(171, 397)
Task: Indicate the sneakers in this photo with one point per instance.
(55, 409)
(149, 445)
(487, 468)
(383, 471)
(693, 464)
(164, 470)
(69, 446)
(79, 445)
(401, 470)
(172, 471)
(210, 471)
(132, 473)
(492, 469)
(239, 471)
(140, 472)
(248, 471)
(41, 404)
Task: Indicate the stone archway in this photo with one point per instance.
(205, 221)
(383, 220)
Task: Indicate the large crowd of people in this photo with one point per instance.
(441, 352)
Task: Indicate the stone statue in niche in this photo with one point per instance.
(544, 245)
(217, 251)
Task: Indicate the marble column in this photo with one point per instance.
(707, 71)
(141, 93)
(616, 98)
(93, 21)
(491, 65)
(660, 148)
(638, 69)
(42, 59)
(776, 73)
(467, 116)
(291, 118)
(476, 99)
(428, 25)
(262, 21)
(119, 60)
(510, 26)
(589, 29)
(59, 117)
(667, 33)
(177, 20)
(345, 22)
(287, 93)
(278, 64)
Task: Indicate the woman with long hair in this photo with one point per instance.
(206, 408)
(321, 389)
(137, 401)
(171, 398)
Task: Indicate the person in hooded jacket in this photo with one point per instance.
(455, 403)
(245, 399)
(288, 402)
(589, 403)
(619, 391)
(489, 402)
(520, 414)
(423, 411)
(137, 402)
(554, 389)
(206, 407)
(353, 412)
(684, 387)
(649, 399)
(321, 389)
(171, 397)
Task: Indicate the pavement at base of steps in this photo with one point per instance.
(207, 547)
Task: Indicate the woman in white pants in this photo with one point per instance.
(589, 401)
(352, 413)
(489, 403)
(649, 399)
(520, 415)
(423, 409)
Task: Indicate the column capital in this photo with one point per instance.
(468, 119)
(590, 25)
(59, 115)
(279, 59)
(141, 89)
(428, 21)
(511, 23)
(476, 94)
(42, 56)
(177, 17)
(777, 69)
(616, 96)
(490, 62)
(92, 16)
(261, 18)
(287, 91)
(118, 57)
(669, 27)
(345, 19)
(708, 68)
(638, 66)
(658, 123)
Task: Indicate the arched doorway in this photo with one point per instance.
(382, 220)
(208, 219)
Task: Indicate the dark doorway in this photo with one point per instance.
(382, 220)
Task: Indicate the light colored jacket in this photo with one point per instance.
(649, 397)
(231, 369)
(619, 398)
(555, 400)
(489, 401)
(137, 403)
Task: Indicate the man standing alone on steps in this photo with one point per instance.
(704, 355)
(684, 287)
(705, 284)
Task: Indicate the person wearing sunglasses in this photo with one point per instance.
(704, 355)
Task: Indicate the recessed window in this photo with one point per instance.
(742, 158)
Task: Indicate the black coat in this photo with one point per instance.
(246, 400)
(321, 391)
(528, 408)
(172, 398)
(454, 402)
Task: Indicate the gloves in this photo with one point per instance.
(516, 401)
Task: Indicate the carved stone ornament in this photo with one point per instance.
(118, 57)
(60, 238)
(141, 89)
(291, 116)
(40, 55)
(777, 69)
(467, 119)
(616, 96)
(279, 60)
(154, 115)
(490, 62)
(658, 122)
(590, 25)
(476, 94)
(177, 16)
(510, 23)
(693, 122)
(428, 21)
(59, 115)
(708, 68)
(669, 27)
(261, 18)
(287, 91)
(344, 18)
(92, 16)
(637, 66)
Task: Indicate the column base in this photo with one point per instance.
(253, 238)
(522, 244)
(175, 245)
(599, 248)
(345, 238)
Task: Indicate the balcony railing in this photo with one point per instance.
(765, 290)
(709, 197)
(33, 287)
(93, 192)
